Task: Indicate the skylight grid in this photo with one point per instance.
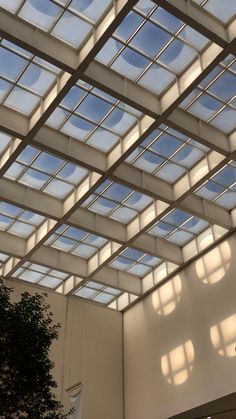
(214, 100)
(41, 275)
(179, 227)
(97, 292)
(76, 241)
(117, 201)
(156, 50)
(61, 18)
(155, 65)
(91, 116)
(221, 188)
(46, 172)
(135, 262)
(15, 220)
(224, 10)
(167, 154)
(24, 78)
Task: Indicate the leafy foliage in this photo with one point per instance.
(26, 334)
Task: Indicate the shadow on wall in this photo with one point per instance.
(213, 266)
(177, 363)
(166, 298)
(223, 337)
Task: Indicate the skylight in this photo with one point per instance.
(46, 172)
(24, 78)
(154, 65)
(117, 141)
(91, 116)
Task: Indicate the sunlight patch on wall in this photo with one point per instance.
(212, 267)
(177, 364)
(223, 337)
(166, 298)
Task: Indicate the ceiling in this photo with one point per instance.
(117, 141)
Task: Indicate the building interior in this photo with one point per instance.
(118, 197)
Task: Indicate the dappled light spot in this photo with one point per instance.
(223, 336)
(213, 266)
(166, 298)
(177, 364)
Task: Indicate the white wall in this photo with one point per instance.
(158, 381)
(182, 320)
(89, 350)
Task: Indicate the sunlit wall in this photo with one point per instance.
(180, 341)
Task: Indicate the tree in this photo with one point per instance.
(26, 334)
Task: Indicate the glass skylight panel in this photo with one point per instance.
(46, 172)
(89, 115)
(221, 188)
(5, 141)
(155, 65)
(18, 221)
(41, 275)
(167, 154)
(3, 258)
(178, 227)
(213, 100)
(98, 292)
(224, 10)
(61, 18)
(24, 78)
(135, 262)
(76, 241)
(117, 201)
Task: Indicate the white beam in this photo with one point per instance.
(147, 102)
(68, 263)
(83, 218)
(115, 231)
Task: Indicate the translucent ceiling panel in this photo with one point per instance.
(135, 262)
(18, 221)
(3, 258)
(155, 65)
(76, 241)
(91, 116)
(46, 172)
(24, 78)
(41, 275)
(167, 154)
(178, 227)
(213, 101)
(221, 188)
(224, 10)
(98, 292)
(5, 141)
(152, 48)
(70, 21)
(117, 201)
